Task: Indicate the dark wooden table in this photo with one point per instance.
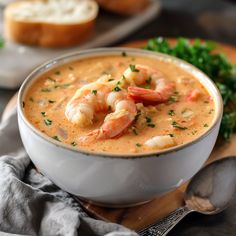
(207, 19)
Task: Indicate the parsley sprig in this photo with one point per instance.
(2, 42)
(216, 65)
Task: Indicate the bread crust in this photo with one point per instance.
(124, 7)
(45, 34)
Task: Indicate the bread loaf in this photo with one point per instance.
(124, 7)
(50, 23)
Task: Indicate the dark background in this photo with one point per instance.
(207, 19)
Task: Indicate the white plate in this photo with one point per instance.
(18, 60)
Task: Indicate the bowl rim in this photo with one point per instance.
(105, 51)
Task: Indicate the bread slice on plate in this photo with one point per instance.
(50, 23)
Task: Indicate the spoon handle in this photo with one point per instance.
(163, 226)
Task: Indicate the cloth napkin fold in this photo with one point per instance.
(30, 204)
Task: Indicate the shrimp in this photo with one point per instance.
(117, 122)
(99, 97)
(87, 100)
(140, 75)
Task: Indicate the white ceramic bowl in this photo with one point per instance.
(117, 180)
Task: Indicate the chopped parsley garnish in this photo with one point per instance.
(173, 98)
(57, 72)
(138, 145)
(51, 79)
(74, 144)
(51, 101)
(149, 122)
(151, 125)
(110, 80)
(56, 138)
(47, 122)
(133, 68)
(171, 113)
(194, 132)
(212, 110)
(178, 126)
(2, 43)
(134, 130)
(216, 65)
(94, 92)
(149, 80)
(43, 113)
(147, 86)
(31, 99)
(124, 54)
(205, 125)
(137, 116)
(171, 135)
(123, 77)
(45, 90)
(62, 85)
(116, 89)
(148, 119)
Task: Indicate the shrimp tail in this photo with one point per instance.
(142, 94)
(91, 136)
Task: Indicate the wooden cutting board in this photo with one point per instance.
(138, 217)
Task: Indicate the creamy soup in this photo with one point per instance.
(178, 116)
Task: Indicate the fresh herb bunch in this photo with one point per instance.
(1, 42)
(215, 65)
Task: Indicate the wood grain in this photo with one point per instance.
(138, 217)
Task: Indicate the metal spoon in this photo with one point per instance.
(209, 192)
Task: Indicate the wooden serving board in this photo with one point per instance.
(138, 217)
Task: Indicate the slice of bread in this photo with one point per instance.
(124, 7)
(50, 23)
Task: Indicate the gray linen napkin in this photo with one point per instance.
(30, 204)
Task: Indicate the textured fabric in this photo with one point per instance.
(30, 204)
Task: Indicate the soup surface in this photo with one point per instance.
(185, 113)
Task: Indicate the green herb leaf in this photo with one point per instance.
(173, 99)
(134, 130)
(51, 79)
(148, 119)
(116, 89)
(2, 42)
(45, 90)
(47, 122)
(56, 138)
(133, 68)
(138, 145)
(137, 116)
(74, 144)
(151, 125)
(178, 126)
(62, 86)
(43, 113)
(57, 72)
(51, 101)
(171, 113)
(94, 92)
(149, 80)
(31, 99)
